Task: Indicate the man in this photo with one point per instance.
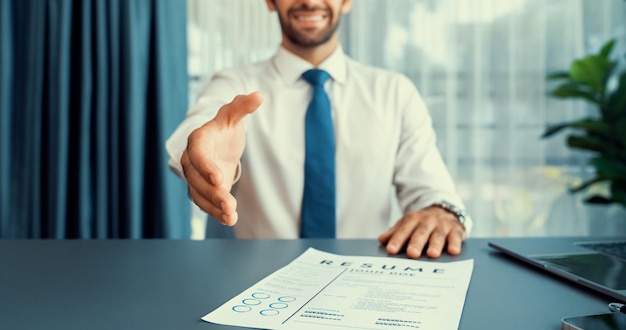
(383, 144)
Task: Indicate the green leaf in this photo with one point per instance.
(575, 90)
(594, 126)
(590, 125)
(609, 168)
(617, 100)
(601, 145)
(588, 143)
(551, 130)
(620, 130)
(607, 48)
(597, 199)
(591, 70)
(618, 192)
(558, 75)
(586, 184)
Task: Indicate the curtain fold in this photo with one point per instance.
(6, 71)
(90, 92)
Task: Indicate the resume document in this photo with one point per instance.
(324, 290)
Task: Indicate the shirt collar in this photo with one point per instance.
(291, 67)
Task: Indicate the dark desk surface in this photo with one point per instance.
(162, 284)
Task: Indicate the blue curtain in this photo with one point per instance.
(89, 92)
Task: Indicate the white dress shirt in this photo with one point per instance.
(385, 145)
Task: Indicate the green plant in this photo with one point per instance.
(597, 80)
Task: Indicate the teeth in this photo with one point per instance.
(311, 18)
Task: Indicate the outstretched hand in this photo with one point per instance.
(212, 155)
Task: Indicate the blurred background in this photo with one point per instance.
(90, 91)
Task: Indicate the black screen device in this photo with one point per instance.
(610, 321)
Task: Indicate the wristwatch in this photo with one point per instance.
(459, 212)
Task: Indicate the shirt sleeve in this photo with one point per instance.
(421, 177)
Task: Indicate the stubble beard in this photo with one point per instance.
(302, 39)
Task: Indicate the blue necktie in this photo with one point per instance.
(318, 201)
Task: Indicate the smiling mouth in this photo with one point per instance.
(311, 18)
(310, 15)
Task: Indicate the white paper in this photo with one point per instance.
(320, 289)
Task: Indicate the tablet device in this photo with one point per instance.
(611, 321)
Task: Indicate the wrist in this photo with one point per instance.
(459, 212)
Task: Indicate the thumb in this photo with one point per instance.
(242, 105)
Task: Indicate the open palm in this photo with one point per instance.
(212, 155)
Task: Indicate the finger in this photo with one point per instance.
(455, 241)
(217, 196)
(384, 237)
(205, 203)
(418, 240)
(190, 168)
(226, 215)
(222, 206)
(232, 113)
(207, 169)
(436, 243)
(400, 236)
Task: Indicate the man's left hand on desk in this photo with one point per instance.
(433, 227)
